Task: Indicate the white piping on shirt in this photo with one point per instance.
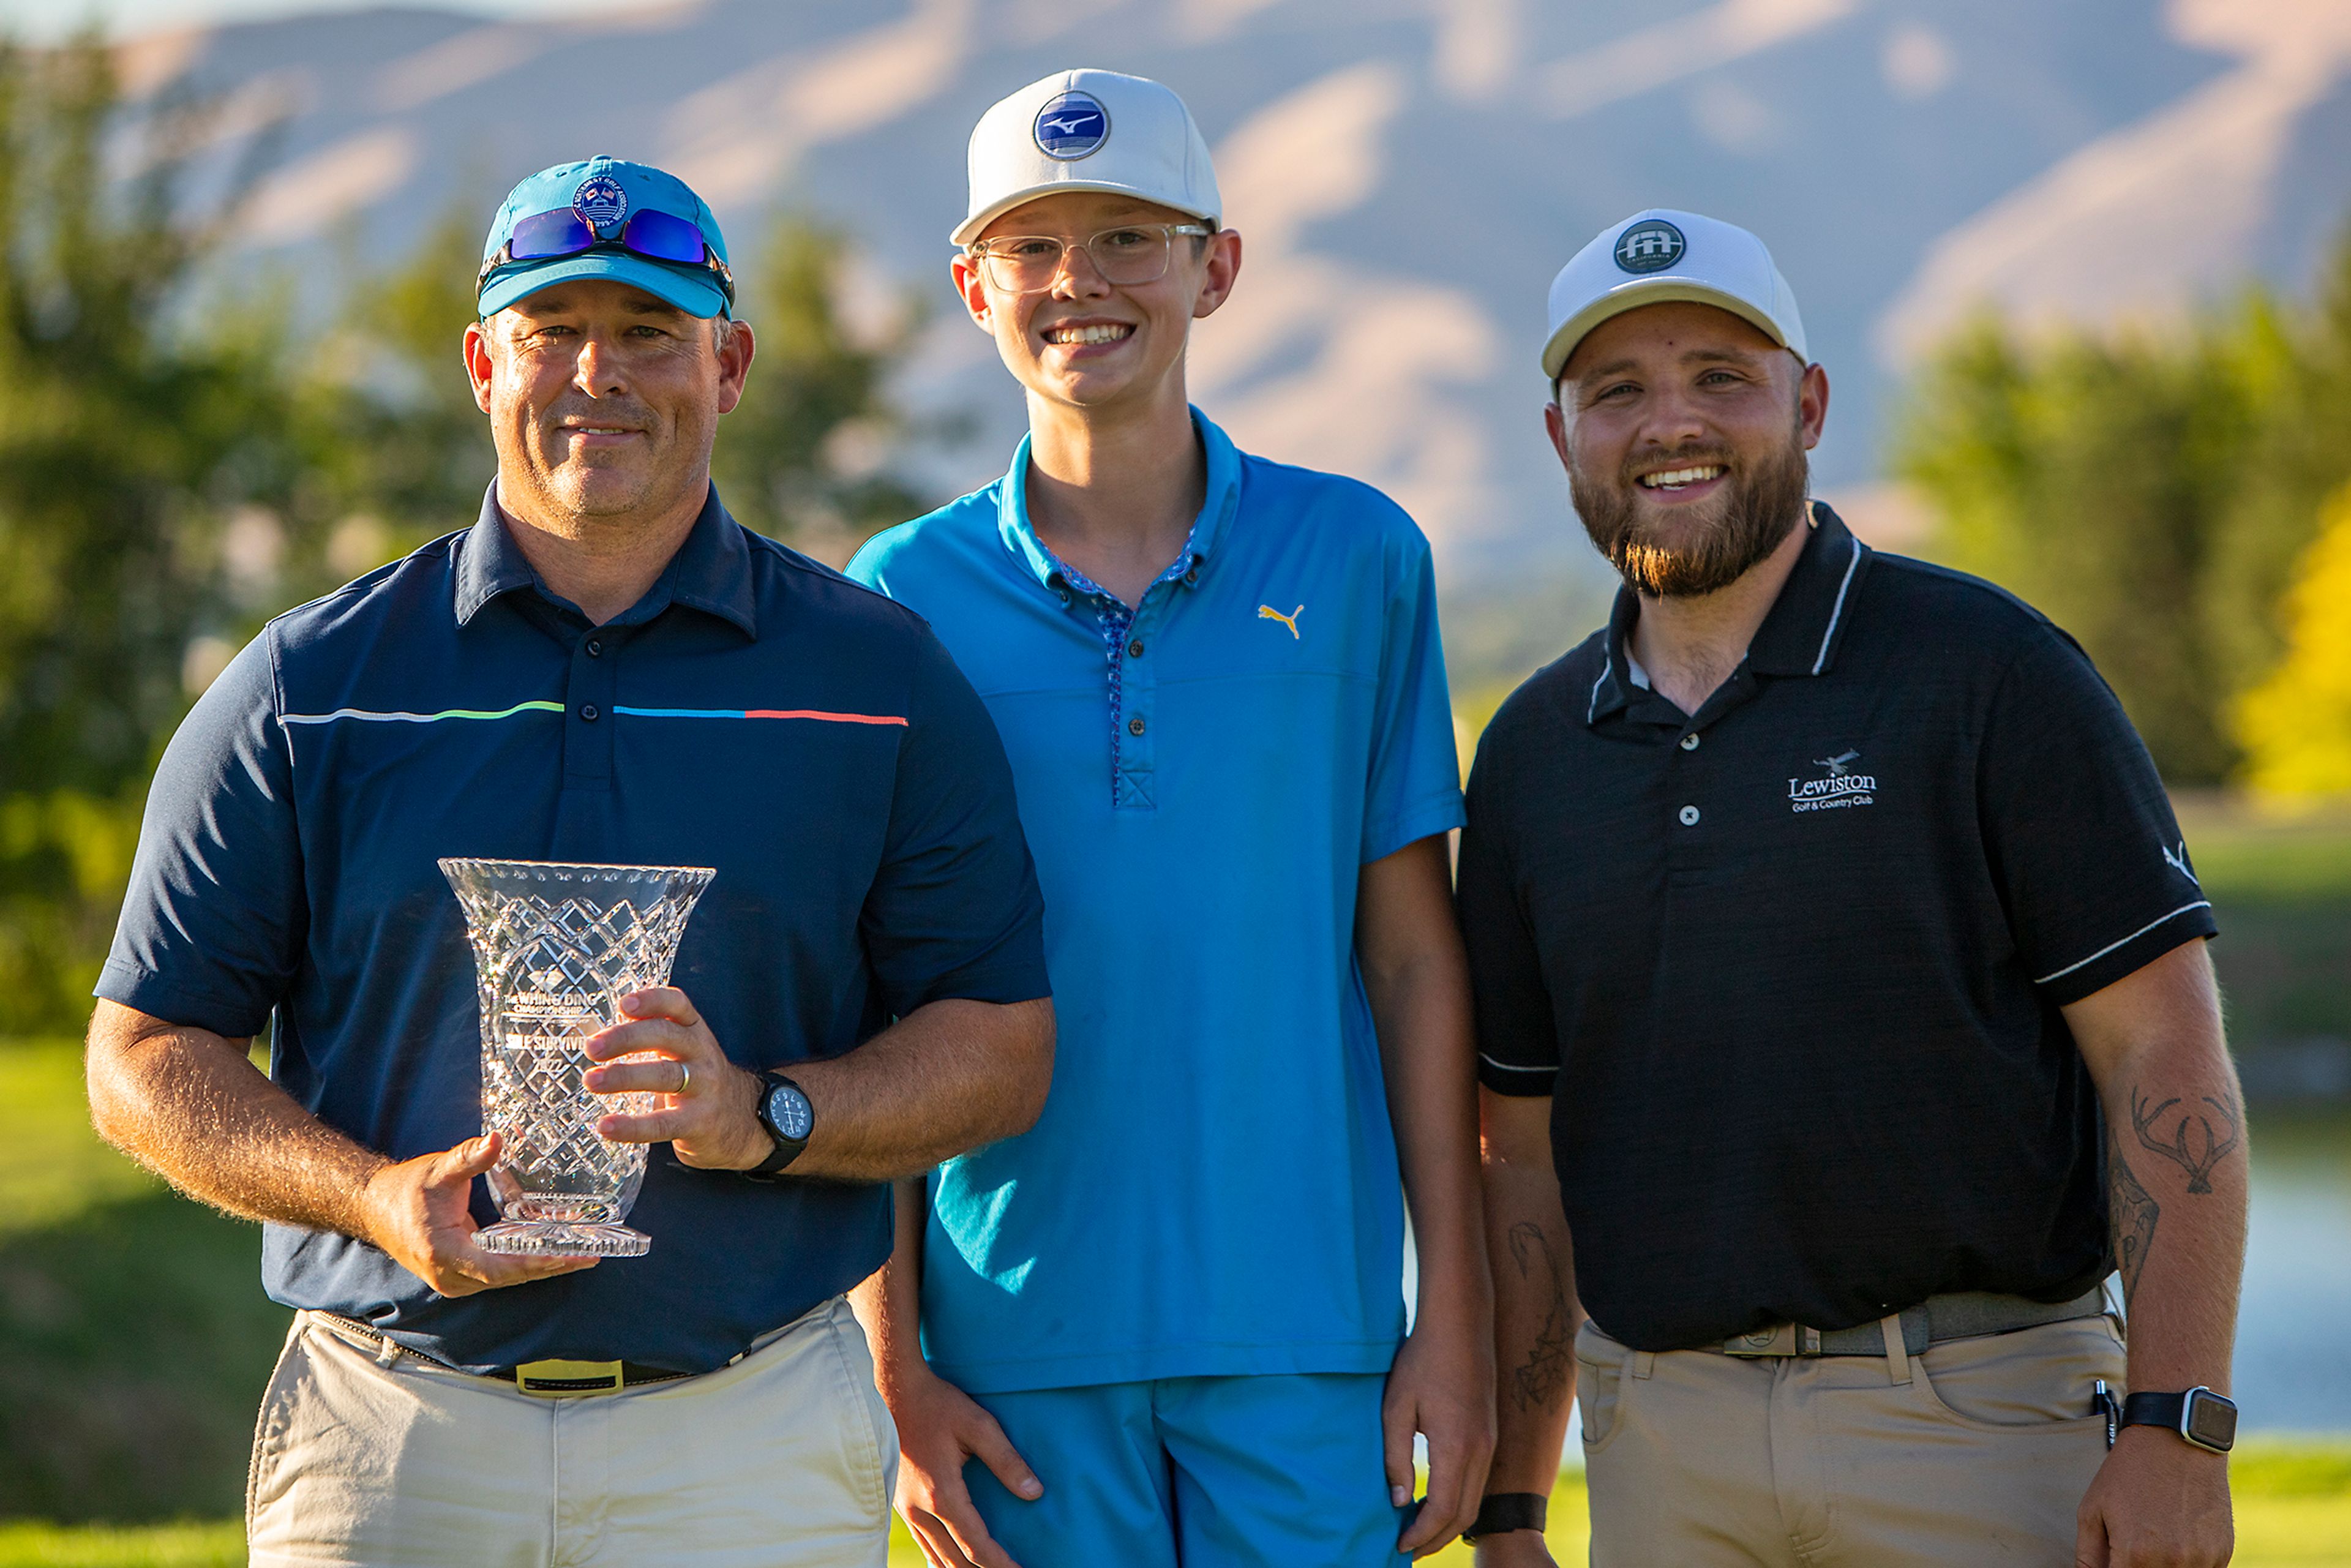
(1512, 1067)
(2061, 974)
(1836, 611)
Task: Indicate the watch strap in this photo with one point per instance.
(1507, 1510)
(2170, 1412)
(786, 1150)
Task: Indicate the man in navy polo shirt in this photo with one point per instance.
(1844, 1011)
(1220, 685)
(605, 667)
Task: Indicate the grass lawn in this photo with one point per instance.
(2293, 1507)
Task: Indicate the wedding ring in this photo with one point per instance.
(685, 1077)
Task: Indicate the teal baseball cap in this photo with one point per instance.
(609, 219)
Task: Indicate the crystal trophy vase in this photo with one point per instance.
(555, 949)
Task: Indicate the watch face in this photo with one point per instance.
(2211, 1420)
(787, 1108)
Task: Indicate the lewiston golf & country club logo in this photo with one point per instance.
(1072, 126)
(1841, 786)
(1650, 246)
(600, 201)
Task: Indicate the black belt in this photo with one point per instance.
(1963, 1314)
(554, 1379)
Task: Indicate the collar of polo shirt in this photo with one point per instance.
(710, 572)
(1799, 637)
(1216, 509)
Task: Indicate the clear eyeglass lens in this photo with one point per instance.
(1028, 264)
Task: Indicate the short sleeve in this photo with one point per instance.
(2093, 868)
(1414, 784)
(955, 910)
(1518, 1042)
(214, 922)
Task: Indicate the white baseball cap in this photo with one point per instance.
(1662, 255)
(1088, 131)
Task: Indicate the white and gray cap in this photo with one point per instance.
(1662, 255)
(1088, 131)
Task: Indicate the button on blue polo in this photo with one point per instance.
(755, 713)
(1212, 1188)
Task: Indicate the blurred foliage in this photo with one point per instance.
(2149, 490)
(805, 456)
(2295, 725)
(133, 465)
(183, 452)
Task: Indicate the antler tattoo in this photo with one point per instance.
(2198, 1167)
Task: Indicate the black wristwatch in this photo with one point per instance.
(789, 1117)
(1508, 1510)
(2203, 1419)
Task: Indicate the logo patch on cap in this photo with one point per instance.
(1072, 126)
(1652, 246)
(600, 201)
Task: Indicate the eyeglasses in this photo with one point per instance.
(655, 235)
(1126, 255)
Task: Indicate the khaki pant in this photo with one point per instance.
(784, 1460)
(1976, 1451)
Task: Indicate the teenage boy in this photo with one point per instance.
(1220, 684)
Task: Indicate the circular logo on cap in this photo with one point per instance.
(1651, 246)
(1072, 126)
(601, 202)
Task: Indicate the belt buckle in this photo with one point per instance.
(1779, 1339)
(567, 1379)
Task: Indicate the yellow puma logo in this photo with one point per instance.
(1268, 613)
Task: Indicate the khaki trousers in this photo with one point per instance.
(1975, 1451)
(784, 1460)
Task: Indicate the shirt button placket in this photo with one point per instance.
(588, 730)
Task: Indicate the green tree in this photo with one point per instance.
(398, 452)
(2299, 455)
(2150, 489)
(2090, 475)
(807, 455)
(2297, 724)
(140, 470)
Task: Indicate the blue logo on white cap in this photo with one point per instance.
(1072, 127)
(1652, 246)
(600, 201)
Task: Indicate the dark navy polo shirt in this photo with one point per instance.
(1790, 968)
(756, 713)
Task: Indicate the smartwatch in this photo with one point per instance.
(2203, 1419)
(1507, 1510)
(789, 1117)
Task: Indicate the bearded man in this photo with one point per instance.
(1836, 952)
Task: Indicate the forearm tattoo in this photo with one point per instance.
(2153, 1119)
(2133, 1214)
(1536, 1383)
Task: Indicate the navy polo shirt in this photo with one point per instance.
(753, 712)
(1790, 968)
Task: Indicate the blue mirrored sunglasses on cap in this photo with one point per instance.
(653, 234)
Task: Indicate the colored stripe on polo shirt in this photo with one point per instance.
(372, 716)
(1212, 1188)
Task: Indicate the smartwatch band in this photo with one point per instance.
(2202, 1419)
(1508, 1510)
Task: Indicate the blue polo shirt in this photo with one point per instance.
(753, 712)
(1212, 1188)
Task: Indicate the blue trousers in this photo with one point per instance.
(1197, 1472)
